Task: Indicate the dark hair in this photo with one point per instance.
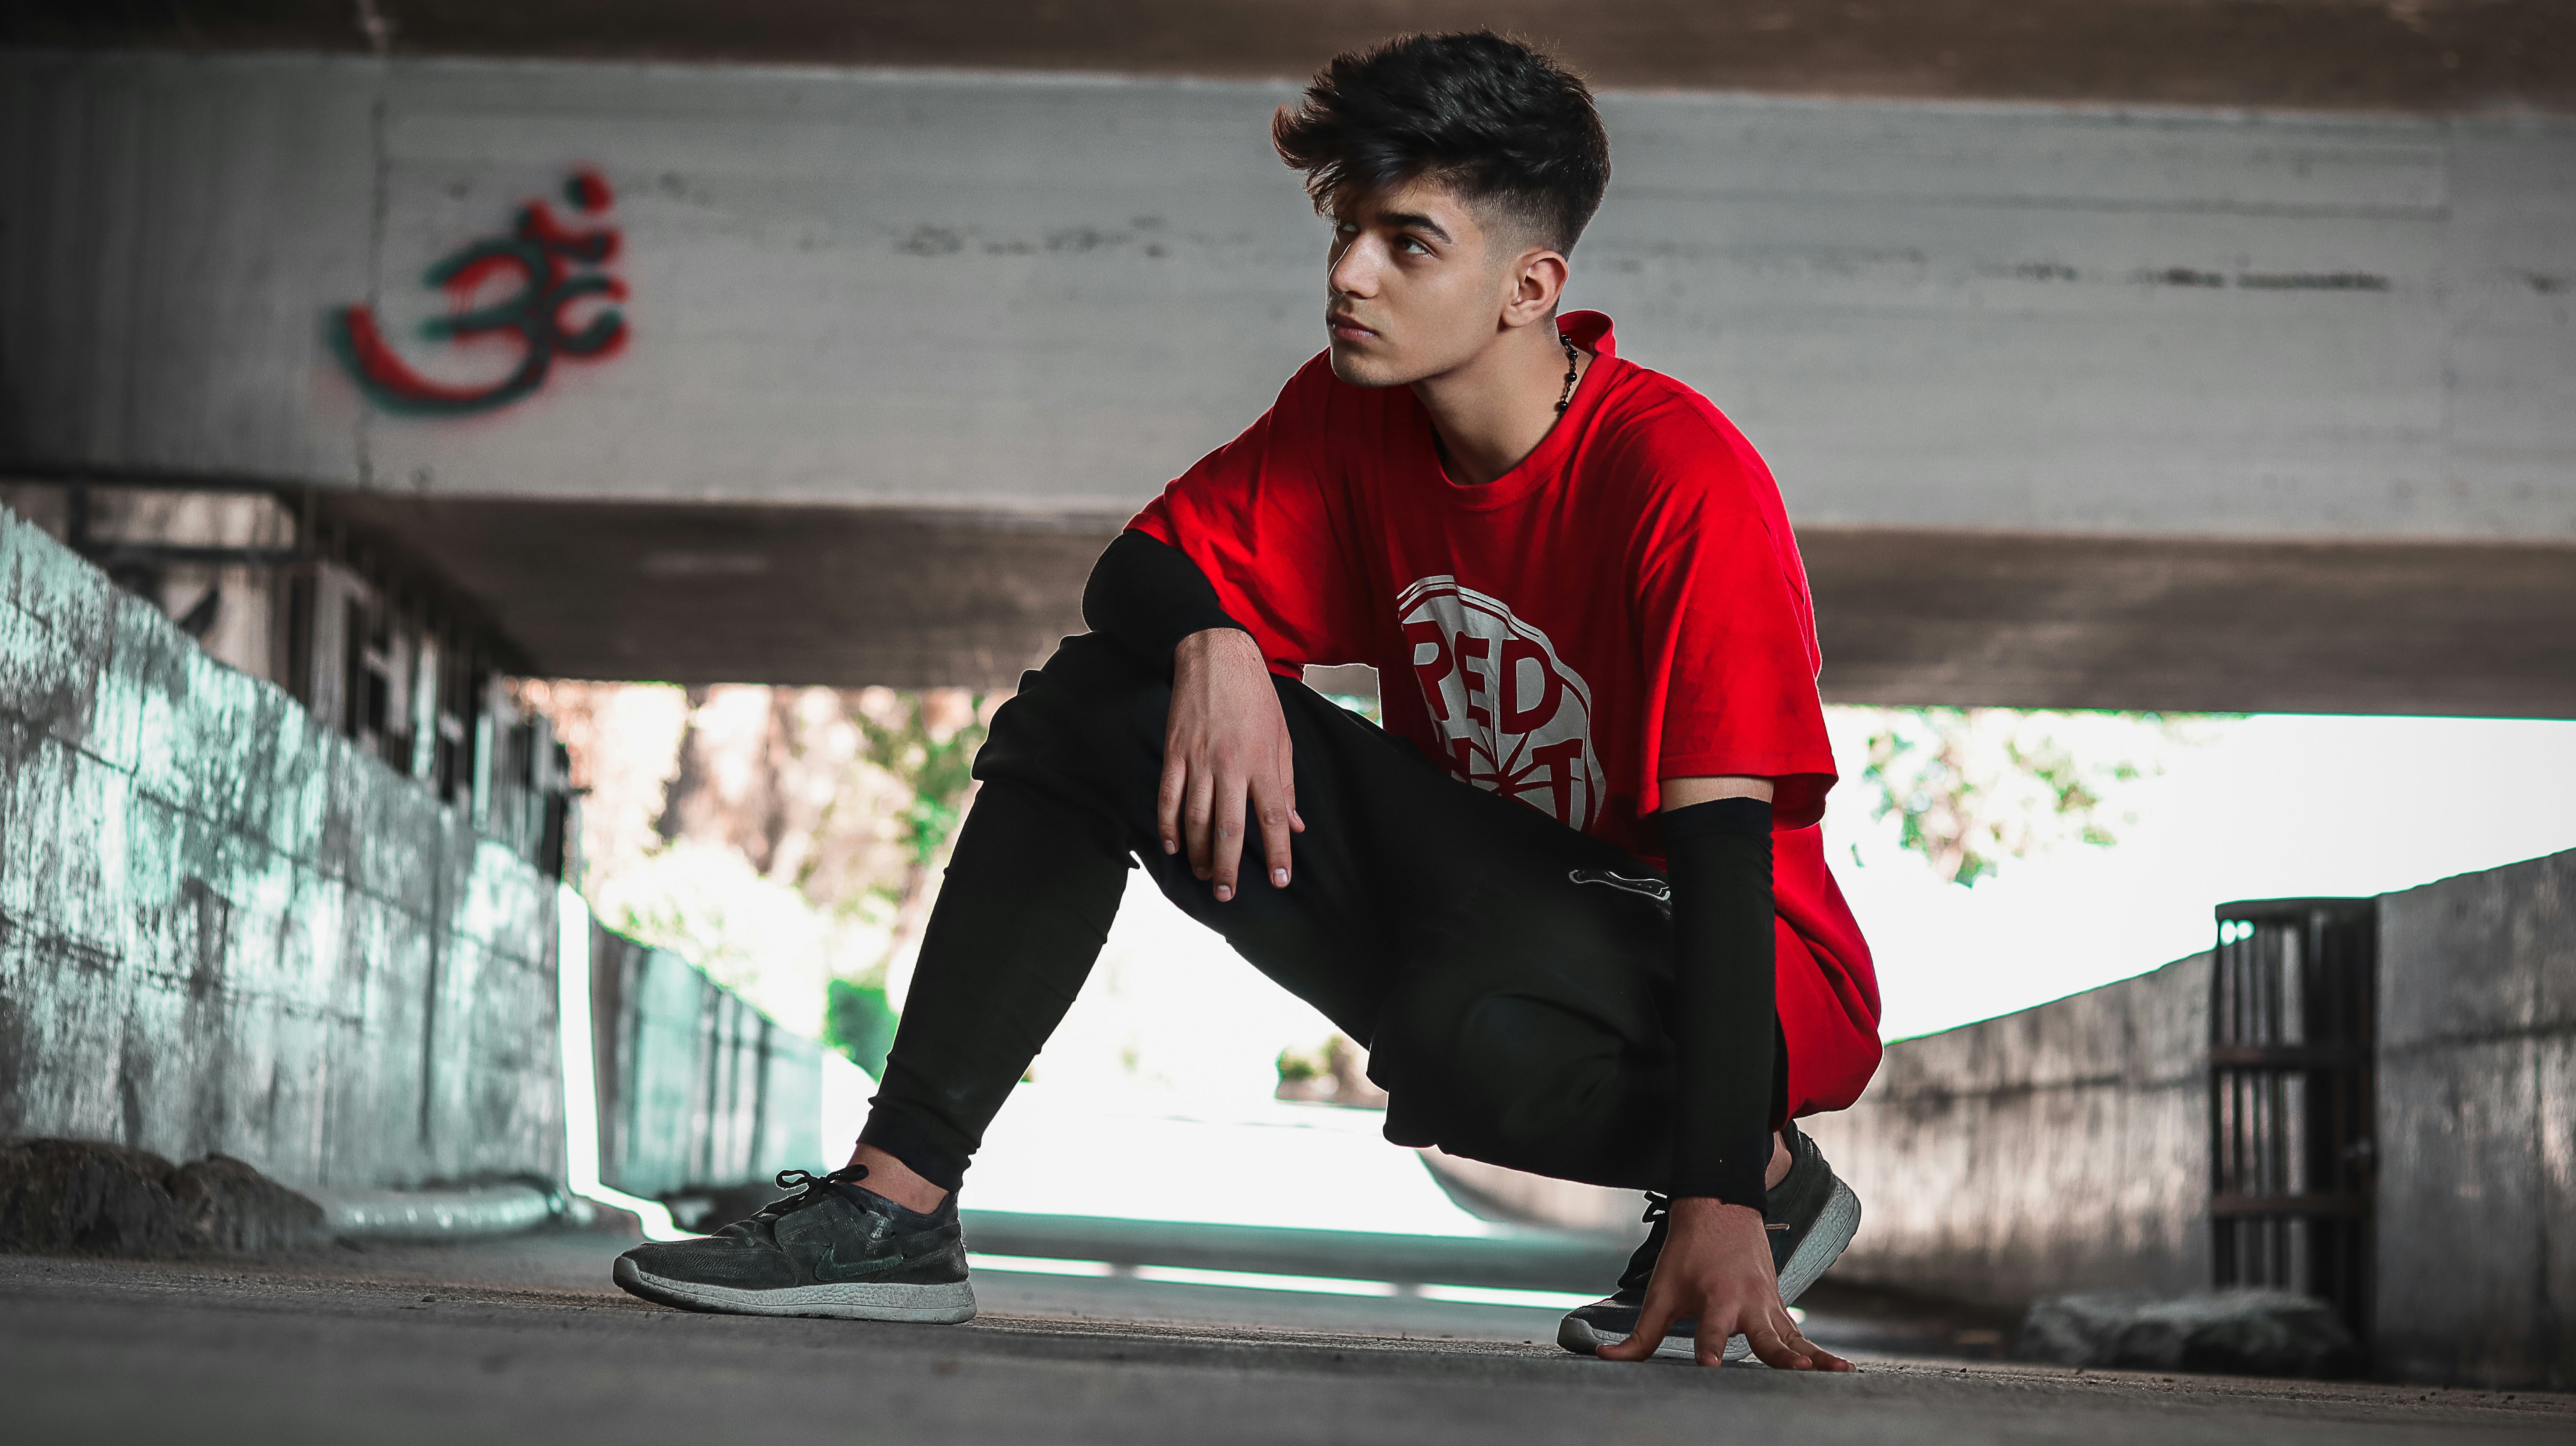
(1493, 119)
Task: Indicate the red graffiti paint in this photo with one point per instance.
(587, 190)
(552, 266)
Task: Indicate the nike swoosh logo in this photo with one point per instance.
(832, 1271)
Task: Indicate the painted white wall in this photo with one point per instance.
(988, 291)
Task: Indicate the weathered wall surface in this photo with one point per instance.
(223, 929)
(951, 290)
(2074, 407)
(2066, 1147)
(2059, 1148)
(2434, 55)
(2477, 1128)
(697, 1089)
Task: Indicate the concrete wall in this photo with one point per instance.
(2477, 1128)
(956, 290)
(2437, 55)
(223, 929)
(2074, 407)
(2059, 1148)
(697, 1089)
(2067, 1147)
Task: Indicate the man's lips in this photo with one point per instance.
(1344, 328)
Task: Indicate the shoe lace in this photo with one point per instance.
(1641, 1265)
(810, 1188)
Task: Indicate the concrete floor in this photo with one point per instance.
(525, 1340)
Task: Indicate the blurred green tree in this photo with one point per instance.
(1973, 787)
(859, 1023)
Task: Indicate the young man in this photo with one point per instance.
(1572, 897)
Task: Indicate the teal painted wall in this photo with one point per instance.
(223, 928)
(697, 1089)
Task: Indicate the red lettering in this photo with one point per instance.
(1518, 720)
(1472, 647)
(1432, 670)
(1462, 761)
(1559, 759)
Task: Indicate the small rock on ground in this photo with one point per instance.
(2227, 1332)
(89, 1197)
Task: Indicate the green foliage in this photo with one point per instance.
(1297, 1064)
(859, 1023)
(937, 770)
(1973, 787)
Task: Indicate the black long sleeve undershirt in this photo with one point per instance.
(1146, 596)
(1718, 855)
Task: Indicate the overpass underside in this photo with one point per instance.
(847, 375)
(717, 593)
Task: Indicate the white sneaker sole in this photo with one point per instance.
(1826, 1240)
(855, 1300)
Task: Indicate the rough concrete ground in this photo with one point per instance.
(524, 1339)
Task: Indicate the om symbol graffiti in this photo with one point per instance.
(555, 266)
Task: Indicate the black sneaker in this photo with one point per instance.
(831, 1249)
(1810, 1215)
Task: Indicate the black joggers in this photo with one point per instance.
(1513, 1013)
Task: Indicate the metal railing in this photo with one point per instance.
(2292, 1099)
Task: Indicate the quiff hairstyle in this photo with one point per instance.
(1507, 128)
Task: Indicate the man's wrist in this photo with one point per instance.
(1206, 638)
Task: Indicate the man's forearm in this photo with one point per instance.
(1146, 596)
(1718, 855)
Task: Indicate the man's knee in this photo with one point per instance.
(1503, 1073)
(1090, 701)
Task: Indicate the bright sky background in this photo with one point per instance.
(2272, 806)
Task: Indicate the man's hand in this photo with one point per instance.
(1716, 1266)
(1226, 745)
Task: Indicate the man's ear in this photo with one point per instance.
(1537, 280)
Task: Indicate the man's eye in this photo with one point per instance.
(1415, 246)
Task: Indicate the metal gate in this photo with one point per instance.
(2292, 1098)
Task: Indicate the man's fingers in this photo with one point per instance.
(1776, 1343)
(1273, 816)
(1167, 803)
(1771, 1350)
(1232, 807)
(1652, 1322)
(1825, 1360)
(1195, 812)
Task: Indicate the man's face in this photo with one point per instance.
(1417, 285)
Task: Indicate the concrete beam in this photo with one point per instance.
(2219, 624)
(716, 593)
(726, 593)
(2424, 55)
(1051, 294)
(2072, 406)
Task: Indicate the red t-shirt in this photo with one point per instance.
(1626, 605)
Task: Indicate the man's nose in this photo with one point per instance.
(1353, 273)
